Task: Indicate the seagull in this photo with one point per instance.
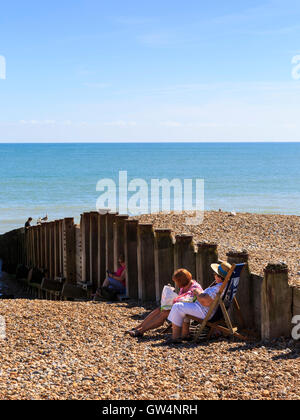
(44, 219)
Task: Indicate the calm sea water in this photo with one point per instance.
(60, 179)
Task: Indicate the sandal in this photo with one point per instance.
(135, 333)
(129, 331)
(171, 341)
(187, 338)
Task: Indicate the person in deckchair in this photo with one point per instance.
(184, 281)
(199, 308)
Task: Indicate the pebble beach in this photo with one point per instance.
(78, 350)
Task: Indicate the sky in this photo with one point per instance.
(93, 70)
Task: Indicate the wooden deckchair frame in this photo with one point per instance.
(216, 325)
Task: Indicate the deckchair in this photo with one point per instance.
(221, 305)
(52, 289)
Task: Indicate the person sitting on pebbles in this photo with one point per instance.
(114, 281)
(184, 281)
(199, 308)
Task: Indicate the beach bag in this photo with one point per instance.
(167, 298)
(186, 298)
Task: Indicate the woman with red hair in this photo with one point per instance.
(199, 307)
(184, 281)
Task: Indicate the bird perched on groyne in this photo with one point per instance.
(41, 220)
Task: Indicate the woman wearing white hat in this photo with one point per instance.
(199, 308)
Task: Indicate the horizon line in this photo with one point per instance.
(149, 142)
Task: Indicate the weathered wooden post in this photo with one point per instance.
(78, 254)
(16, 246)
(18, 249)
(57, 271)
(256, 290)
(35, 246)
(51, 250)
(43, 236)
(109, 235)
(61, 247)
(34, 242)
(30, 246)
(32, 232)
(94, 249)
(101, 248)
(27, 247)
(47, 246)
(164, 260)
(185, 256)
(244, 296)
(26, 243)
(22, 236)
(119, 238)
(38, 237)
(16, 258)
(85, 244)
(296, 301)
(31, 253)
(132, 289)
(146, 270)
(207, 254)
(276, 302)
(69, 250)
(23, 248)
(237, 257)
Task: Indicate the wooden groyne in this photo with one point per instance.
(81, 254)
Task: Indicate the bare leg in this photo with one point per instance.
(185, 329)
(149, 318)
(176, 332)
(105, 283)
(154, 322)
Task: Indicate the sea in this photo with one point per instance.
(60, 180)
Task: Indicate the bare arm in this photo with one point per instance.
(203, 298)
(121, 278)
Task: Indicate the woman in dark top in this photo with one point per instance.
(27, 224)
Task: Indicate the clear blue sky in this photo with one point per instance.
(128, 70)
